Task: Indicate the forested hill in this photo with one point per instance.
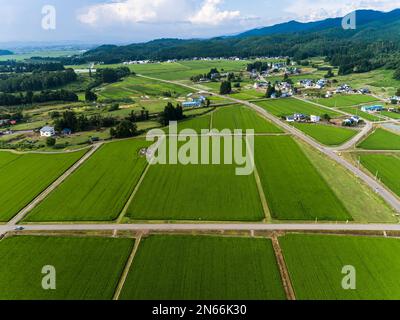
(5, 52)
(375, 43)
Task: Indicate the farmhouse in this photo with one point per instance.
(47, 132)
(315, 118)
(195, 103)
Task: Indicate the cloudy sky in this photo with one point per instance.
(122, 21)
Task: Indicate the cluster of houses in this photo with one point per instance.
(137, 62)
(284, 87)
(48, 131)
(299, 117)
(313, 84)
(394, 100)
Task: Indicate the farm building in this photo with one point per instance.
(47, 132)
(315, 118)
(370, 109)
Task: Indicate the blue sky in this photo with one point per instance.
(118, 21)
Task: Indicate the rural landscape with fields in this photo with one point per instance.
(215, 163)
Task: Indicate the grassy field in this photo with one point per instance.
(381, 139)
(196, 192)
(183, 70)
(99, 189)
(315, 266)
(293, 187)
(204, 268)
(86, 268)
(24, 177)
(197, 124)
(286, 107)
(392, 115)
(238, 117)
(340, 100)
(248, 94)
(362, 203)
(380, 82)
(327, 134)
(386, 167)
(133, 87)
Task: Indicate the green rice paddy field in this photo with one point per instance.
(381, 139)
(239, 117)
(203, 268)
(327, 134)
(196, 192)
(24, 176)
(386, 167)
(285, 107)
(99, 189)
(86, 268)
(346, 100)
(315, 266)
(135, 86)
(293, 187)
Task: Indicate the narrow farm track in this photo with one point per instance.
(21, 215)
(127, 268)
(378, 188)
(287, 284)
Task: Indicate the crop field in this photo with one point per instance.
(99, 189)
(134, 86)
(327, 134)
(385, 167)
(381, 139)
(86, 268)
(204, 268)
(24, 177)
(239, 117)
(346, 100)
(389, 114)
(315, 266)
(197, 124)
(379, 81)
(293, 187)
(286, 107)
(183, 70)
(248, 94)
(197, 192)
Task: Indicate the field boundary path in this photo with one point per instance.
(286, 282)
(127, 268)
(377, 187)
(21, 215)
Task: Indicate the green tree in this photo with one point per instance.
(397, 74)
(125, 129)
(50, 142)
(270, 91)
(398, 92)
(90, 96)
(226, 87)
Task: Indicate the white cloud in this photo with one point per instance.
(156, 11)
(310, 10)
(210, 14)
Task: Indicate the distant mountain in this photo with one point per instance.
(363, 17)
(5, 52)
(373, 44)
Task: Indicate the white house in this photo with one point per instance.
(47, 132)
(315, 119)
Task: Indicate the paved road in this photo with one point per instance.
(387, 195)
(205, 227)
